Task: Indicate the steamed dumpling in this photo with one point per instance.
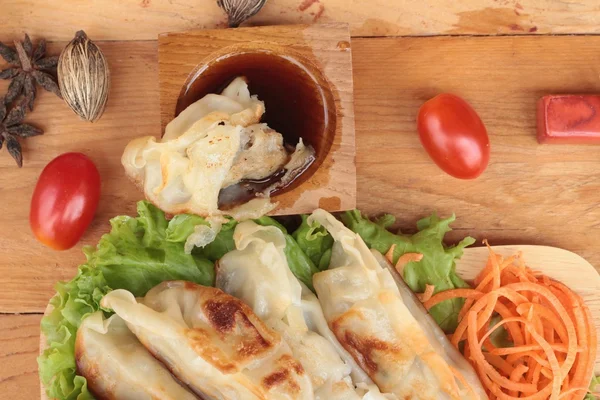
(257, 273)
(117, 366)
(212, 342)
(365, 310)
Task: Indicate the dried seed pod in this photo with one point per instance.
(83, 77)
(240, 10)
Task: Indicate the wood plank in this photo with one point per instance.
(19, 347)
(29, 270)
(530, 194)
(145, 19)
(558, 264)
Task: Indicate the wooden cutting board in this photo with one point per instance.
(545, 195)
(561, 265)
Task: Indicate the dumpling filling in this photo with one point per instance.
(216, 143)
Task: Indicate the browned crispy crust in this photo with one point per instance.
(233, 335)
(237, 338)
(237, 335)
(283, 375)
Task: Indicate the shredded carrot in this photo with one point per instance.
(503, 351)
(451, 294)
(535, 358)
(405, 259)
(517, 374)
(499, 363)
(426, 295)
(390, 253)
(554, 340)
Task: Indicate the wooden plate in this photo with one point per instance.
(561, 265)
(558, 264)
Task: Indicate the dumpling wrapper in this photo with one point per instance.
(185, 175)
(435, 335)
(212, 342)
(235, 100)
(257, 272)
(117, 366)
(197, 157)
(365, 310)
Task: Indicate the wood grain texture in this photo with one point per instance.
(324, 48)
(145, 19)
(561, 265)
(529, 194)
(28, 269)
(19, 347)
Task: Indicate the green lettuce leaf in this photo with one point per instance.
(135, 255)
(499, 337)
(222, 244)
(182, 226)
(437, 266)
(315, 242)
(300, 264)
(72, 302)
(593, 388)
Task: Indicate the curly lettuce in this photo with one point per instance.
(183, 225)
(315, 242)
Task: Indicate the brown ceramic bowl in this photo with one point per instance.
(298, 99)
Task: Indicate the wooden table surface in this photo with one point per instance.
(529, 194)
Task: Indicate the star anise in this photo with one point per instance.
(12, 127)
(28, 66)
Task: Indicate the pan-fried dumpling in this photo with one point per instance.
(117, 366)
(212, 342)
(315, 320)
(435, 335)
(257, 273)
(215, 142)
(365, 310)
(187, 173)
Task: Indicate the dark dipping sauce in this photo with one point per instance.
(298, 102)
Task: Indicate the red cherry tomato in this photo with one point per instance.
(64, 200)
(454, 136)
